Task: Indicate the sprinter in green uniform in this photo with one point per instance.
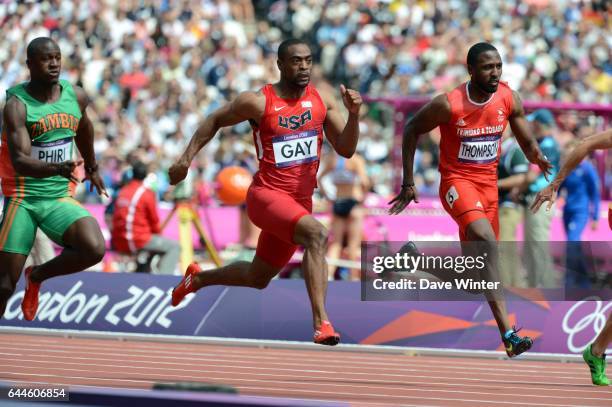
(43, 118)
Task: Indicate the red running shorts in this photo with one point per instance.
(276, 213)
(467, 201)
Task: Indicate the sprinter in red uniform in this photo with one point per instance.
(472, 118)
(288, 120)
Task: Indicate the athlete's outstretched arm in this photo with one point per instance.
(528, 144)
(84, 140)
(20, 146)
(343, 137)
(430, 116)
(598, 141)
(248, 105)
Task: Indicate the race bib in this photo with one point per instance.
(293, 149)
(52, 151)
(479, 150)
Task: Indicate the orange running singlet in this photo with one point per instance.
(469, 153)
(471, 141)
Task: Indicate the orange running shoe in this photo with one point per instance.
(186, 285)
(29, 305)
(326, 335)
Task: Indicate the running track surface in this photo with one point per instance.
(360, 378)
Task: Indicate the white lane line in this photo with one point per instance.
(303, 364)
(364, 356)
(294, 370)
(381, 365)
(287, 366)
(231, 379)
(76, 377)
(440, 381)
(283, 344)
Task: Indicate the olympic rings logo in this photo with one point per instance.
(595, 319)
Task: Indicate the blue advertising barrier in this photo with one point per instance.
(140, 303)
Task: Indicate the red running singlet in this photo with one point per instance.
(288, 142)
(469, 153)
(471, 141)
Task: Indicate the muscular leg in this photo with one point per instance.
(12, 265)
(311, 234)
(481, 238)
(275, 211)
(84, 247)
(255, 274)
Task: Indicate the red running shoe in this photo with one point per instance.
(186, 285)
(326, 335)
(29, 305)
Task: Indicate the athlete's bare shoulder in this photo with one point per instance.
(250, 104)
(517, 105)
(441, 103)
(438, 111)
(14, 110)
(82, 96)
(327, 95)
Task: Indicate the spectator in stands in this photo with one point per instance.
(136, 227)
(536, 250)
(512, 175)
(581, 189)
(157, 68)
(351, 186)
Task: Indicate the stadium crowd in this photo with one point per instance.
(154, 68)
